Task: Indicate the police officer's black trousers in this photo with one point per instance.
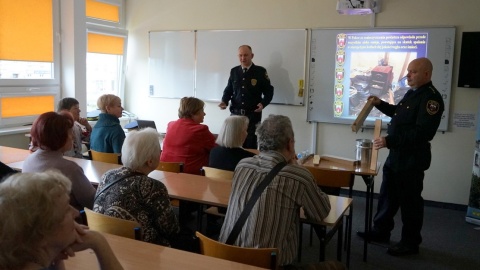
(251, 140)
(401, 190)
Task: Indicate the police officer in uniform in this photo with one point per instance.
(414, 123)
(249, 91)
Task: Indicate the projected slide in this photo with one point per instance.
(373, 63)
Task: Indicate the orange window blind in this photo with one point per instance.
(26, 106)
(26, 30)
(98, 43)
(102, 11)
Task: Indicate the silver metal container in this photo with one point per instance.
(363, 151)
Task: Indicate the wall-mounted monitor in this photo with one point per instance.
(469, 71)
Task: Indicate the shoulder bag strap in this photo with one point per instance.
(251, 202)
(114, 182)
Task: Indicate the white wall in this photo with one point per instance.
(448, 179)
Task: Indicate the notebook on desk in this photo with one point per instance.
(146, 123)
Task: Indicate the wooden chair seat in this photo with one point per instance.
(105, 157)
(333, 179)
(221, 175)
(107, 224)
(176, 167)
(260, 257)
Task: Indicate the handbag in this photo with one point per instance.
(251, 202)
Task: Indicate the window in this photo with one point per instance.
(106, 43)
(29, 59)
(104, 67)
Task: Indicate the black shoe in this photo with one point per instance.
(375, 236)
(401, 249)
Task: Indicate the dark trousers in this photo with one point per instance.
(401, 190)
(251, 140)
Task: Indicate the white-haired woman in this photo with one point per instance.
(229, 151)
(37, 225)
(134, 195)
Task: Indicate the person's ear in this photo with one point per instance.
(252, 55)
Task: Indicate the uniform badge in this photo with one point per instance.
(254, 82)
(432, 107)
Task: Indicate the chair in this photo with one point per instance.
(221, 175)
(260, 257)
(334, 179)
(216, 173)
(105, 157)
(107, 224)
(176, 167)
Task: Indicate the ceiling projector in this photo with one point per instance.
(357, 7)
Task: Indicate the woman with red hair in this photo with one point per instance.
(52, 135)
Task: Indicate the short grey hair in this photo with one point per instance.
(139, 147)
(274, 133)
(231, 131)
(28, 214)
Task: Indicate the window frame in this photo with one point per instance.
(102, 23)
(33, 83)
(103, 30)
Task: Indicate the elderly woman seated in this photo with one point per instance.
(107, 134)
(129, 193)
(37, 225)
(229, 151)
(187, 140)
(52, 135)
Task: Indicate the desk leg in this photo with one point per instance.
(321, 232)
(369, 181)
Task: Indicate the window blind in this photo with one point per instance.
(26, 30)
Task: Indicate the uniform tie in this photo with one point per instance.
(244, 70)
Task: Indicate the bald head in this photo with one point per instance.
(419, 72)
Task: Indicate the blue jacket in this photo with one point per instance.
(107, 134)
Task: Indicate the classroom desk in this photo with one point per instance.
(138, 255)
(195, 188)
(368, 177)
(212, 191)
(93, 169)
(9, 154)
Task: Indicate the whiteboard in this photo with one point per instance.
(171, 64)
(332, 86)
(281, 52)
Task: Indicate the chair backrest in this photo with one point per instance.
(260, 257)
(217, 173)
(105, 157)
(107, 224)
(176, 167)
(333, 178)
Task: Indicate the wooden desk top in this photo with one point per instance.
(357, 170)
(195, 188)
(139, 255)
(93, 169)
(9, 154)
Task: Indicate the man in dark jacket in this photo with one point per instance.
(249, 91)
(414, 123)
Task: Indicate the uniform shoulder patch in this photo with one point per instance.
(433, 107)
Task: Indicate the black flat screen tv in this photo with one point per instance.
(469, 71)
